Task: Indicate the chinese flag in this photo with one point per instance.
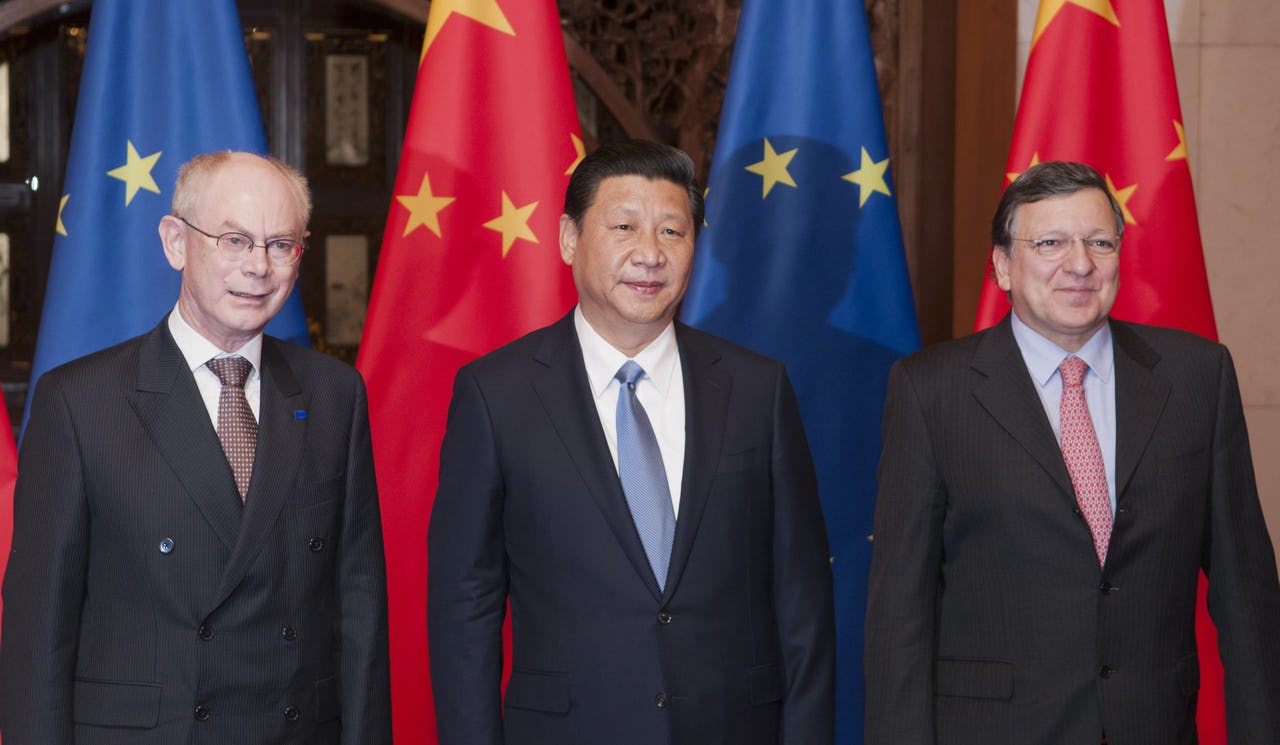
(470, 260)
(8, 474)
(1100, 89)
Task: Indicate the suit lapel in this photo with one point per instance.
(169, 406)
(560, 383)
(282, 436)
(1009, 396)
(1140, 399)
(706, 395)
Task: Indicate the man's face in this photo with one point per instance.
(1066, 299)
(229, 302)
(631, 258)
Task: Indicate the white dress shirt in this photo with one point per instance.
(198, 350)
(1043, 357)
(661, 393)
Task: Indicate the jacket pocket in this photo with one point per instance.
(990, 679)
(538, 691)
(110, 704)
(766, 684)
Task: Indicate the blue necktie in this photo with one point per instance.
(644, 480)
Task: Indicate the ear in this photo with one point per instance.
(1000, 263)
(174, 240)
(568, 239)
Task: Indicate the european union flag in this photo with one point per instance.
(801, 259)
(163, 81)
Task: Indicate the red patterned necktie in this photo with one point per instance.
(237, 429)
(1083, 456)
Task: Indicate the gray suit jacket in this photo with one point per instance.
(738, 649)
(143, 604)
(989, 619)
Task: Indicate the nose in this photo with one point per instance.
(648, 251)
(255, 262)
(1078, 259)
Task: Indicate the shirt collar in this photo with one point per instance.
(197, 350)
(602, 359)
(1043, 357)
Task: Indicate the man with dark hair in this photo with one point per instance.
(642, 496)
(197, 549)
(1050, 489)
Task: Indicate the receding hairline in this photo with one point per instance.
(195, 174)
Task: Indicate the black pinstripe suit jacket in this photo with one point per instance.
(989, 619)
(143, 604)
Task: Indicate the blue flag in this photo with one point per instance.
(163, 81)
(801, 259)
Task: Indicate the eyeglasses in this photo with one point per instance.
(1055, 248)
(236, 246)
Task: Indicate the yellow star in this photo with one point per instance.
(136, 173)
(1122, 196)
(773, 168)
(1049, 10)
(424, 207)
(513, 223)
(484, 11)
(62, 204)
(869, 178)
(1035, 161)
(578, 148)
(1179, 152)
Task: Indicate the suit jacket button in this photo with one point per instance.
(166, 545)
(205, 631)
(1106, 671)
(660, 701)
(664, 618)
(291, 713)
(288, 633)
(316, 544)
(202, 714)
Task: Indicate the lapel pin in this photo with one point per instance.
(300, 414)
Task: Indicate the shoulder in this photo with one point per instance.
(1157, 346)
(702, 347)
(110, 367)
(308, 366)
(537, 349)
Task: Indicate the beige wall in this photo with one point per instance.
(1226, 55)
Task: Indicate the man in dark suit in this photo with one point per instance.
(160, 590)
(689, 603)
(1050, 489)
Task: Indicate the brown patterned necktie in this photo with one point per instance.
(237, 429)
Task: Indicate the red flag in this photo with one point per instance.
(1100, 89)
(470, 260)
(8, 474)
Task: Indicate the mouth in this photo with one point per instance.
(651, 287)
(249, 295)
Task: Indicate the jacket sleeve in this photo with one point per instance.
(467, 575)
(1244, 595)
(362, 593)
(902, 591)
(801, 580)
(44, 586)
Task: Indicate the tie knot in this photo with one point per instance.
(231, 371)
(1072, 370)
(629, 373)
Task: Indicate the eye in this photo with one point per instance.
(622, 226)
(235, 240)
(673, 232)
(282, 246)
(1049, 243)
(1102, 245)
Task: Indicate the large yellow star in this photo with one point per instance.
(484, 11)
(1123, 196)
(580, 150)
(1179, 152)
(62, 204)
(1035, 161)
(513, 223)
(773, 168)
(136, 173)
(869, 177)
(424, 207)
(1049, 10)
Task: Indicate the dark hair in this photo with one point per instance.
(652, 160)
(1055, 178)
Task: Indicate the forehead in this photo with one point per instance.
(247, 189)
(1084, 211)
(632, 193)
